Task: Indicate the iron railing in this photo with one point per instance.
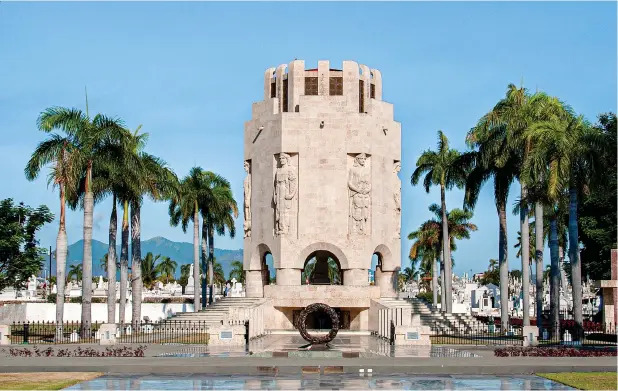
(53, 333)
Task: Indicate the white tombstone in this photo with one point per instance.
(54, 289)
(74, 336)
(567, 336)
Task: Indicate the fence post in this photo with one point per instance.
(26, 332)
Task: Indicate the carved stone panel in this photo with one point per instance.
(285, 195)
(359, 193)
(247, 199)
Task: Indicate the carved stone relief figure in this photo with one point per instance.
(359, 185)
(247, 202)
(285, 191)
(397, 198)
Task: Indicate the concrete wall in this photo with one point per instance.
(46, 312)
(321, 159)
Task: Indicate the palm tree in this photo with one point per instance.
(218, 211)
(60, 152)
(185, 208)
(218, 274)
(442, 168)
(334, 274)
(237, 271)
(167, 268)
(427, 248)
(184, 275)
(91, 136)
(149, 269)
(77, 272)
(569, 148)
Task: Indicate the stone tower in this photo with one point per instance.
(322, 155)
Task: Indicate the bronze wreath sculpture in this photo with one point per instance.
(302, 323)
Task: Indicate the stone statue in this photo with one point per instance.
(191, 272)
(247, 203)
(397, 197)
(359, 185)
(285, 190)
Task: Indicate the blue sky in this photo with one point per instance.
(189, 72)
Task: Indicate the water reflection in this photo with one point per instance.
(323, 382)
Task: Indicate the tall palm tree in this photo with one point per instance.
(238, 271)
(427, 248)
(75, 271)
(150, 269)
(219, 209)
(442, 168)
(59, 152)
(91, 135)
(218, 274)
(569, 148)
(185, 208)
(167, 268)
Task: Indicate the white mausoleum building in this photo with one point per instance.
(322, 153)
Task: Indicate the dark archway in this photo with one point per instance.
(322, 268)
(269, 273)
(376, 268)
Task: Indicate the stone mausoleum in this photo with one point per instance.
(322, 195)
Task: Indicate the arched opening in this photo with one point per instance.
(322, 268)
(376, 269)
(269, 273)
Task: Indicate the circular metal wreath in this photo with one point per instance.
(302, 323)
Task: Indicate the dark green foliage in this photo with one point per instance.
(20, 256)
(597, 213)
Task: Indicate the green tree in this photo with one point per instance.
(91, 136)
(442, 168)
(570, 149)
(238, 271)
(149, 269)
(184, 275)
(76, 271)
(492, 275)
(426, 249)
(167, 268)
(61, 154)
(20, 255)
(186, 207)
(218, 213)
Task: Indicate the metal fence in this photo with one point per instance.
(467, 333)
(163, 332)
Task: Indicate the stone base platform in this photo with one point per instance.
(301, 296)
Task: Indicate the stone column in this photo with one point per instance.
(254, 284)
(288, 276)
(355, 277)
(387, 286)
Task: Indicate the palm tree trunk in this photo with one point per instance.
(503, 260)
(538, 231)
(61, 264)
(447, 301)
(442, 283)
(204, 264)
(111, 264)
(136, 265)
(554, 279)
(196, 259)
(525, 254)
(211, 262)
(576, 270)
(124, 262)
(87, 259)
(434, 282)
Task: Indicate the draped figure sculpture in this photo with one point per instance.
(247, 199)
(359, 185)
(397, 199)
(285, 191)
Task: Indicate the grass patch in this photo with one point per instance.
(585, 380)
(43, 380)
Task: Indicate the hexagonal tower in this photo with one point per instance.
(322, 154)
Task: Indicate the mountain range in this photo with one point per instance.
(181, 252)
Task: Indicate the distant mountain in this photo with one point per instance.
(181, 252)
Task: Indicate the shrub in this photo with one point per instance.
(79, 352)
(51, 298)
(168, 300)
(427, 296)
(553, 352)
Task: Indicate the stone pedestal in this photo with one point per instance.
(227, 336)
(107, 333)
(288, 276)
(254, 283)
(5, 334)
(609, 289)
(190, 288)
(531, 336)
(412, 336)
(355, 277)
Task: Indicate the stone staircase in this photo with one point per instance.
(436, 320)
(217, 313)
